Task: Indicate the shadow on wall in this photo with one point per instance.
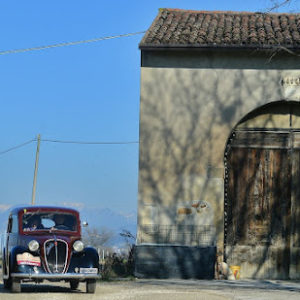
(186, 117)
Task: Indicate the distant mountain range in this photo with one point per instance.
(97, 218)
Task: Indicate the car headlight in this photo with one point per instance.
(78, 246)
(33, 245)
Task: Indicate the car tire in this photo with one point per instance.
(91, 286)
(16, 286)
(74, 284)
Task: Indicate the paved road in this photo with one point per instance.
(161, 290)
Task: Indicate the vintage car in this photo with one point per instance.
(44, 243)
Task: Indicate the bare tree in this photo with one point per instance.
(97, 237)
(128, 236)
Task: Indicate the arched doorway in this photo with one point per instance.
(262, 193)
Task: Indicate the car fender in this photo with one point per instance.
(13, 266)
(88, 258)
(92, 256)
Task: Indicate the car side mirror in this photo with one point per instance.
(85, 224)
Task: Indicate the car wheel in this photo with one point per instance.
(16, 285)
(74, 284)
(91, 286)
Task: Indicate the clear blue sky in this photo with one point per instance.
(88, 92)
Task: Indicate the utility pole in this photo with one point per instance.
(36, 168)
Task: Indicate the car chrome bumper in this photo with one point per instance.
(48, 276)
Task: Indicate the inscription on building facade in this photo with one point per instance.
(291, 81)
(291, 87)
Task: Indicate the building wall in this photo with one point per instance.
(190, 102)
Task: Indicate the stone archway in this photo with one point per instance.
(262, 193)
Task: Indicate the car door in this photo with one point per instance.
(11, 238)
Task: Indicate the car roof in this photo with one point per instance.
(33, 208)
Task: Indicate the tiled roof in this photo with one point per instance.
(186, 28)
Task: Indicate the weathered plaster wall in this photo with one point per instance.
(189, 106)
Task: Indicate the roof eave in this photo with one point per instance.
(218, 47)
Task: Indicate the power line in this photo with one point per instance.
(69, 142)
(89, 143)
(69, 43)
(18, 146)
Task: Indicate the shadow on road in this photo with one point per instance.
(42, 288)
(270, 285)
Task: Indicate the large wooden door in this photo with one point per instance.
(258, 195)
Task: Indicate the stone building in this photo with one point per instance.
(219, 164)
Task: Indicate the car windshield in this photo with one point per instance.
(34, 221)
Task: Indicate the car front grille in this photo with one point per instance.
(56, 255)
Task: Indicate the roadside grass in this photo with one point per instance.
(118, 267)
